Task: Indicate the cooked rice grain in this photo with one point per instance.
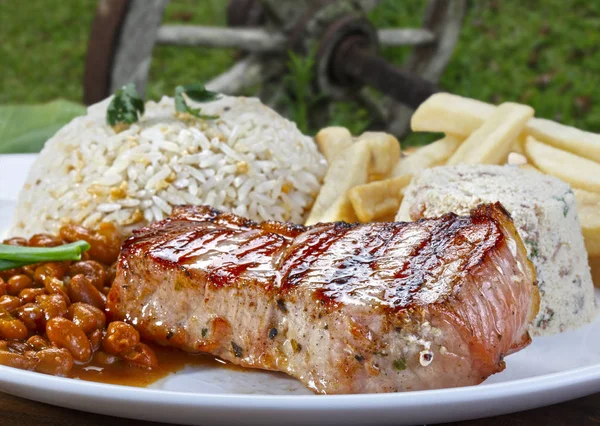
(250, 161)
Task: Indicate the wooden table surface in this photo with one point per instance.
(21, 412)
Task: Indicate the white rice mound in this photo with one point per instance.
(250, 161)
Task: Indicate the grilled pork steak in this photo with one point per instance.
(379, 307)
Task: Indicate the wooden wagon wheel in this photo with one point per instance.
(346, 44)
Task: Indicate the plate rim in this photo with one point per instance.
(581, 376)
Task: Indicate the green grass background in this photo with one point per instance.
(542, 52)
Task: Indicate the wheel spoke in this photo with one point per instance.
(405, 36)
(242, 75)
(132, 58)
(249, 39)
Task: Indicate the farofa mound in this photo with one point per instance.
(545, 214)
(249, 160)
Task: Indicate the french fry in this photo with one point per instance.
(385, 152)
(434, 154)
(584, 144)
(515, 159)
(379, 199)
(457, 115)
(491, 143)
(578, 171)
(519, 144)
(450, 114)
(410, 150)
(372, 154)
(528, 166)
(332, 141)
(347, 170)
(588, 207)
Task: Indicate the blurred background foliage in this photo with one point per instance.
(545, 53)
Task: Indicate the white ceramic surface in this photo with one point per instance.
(551, 370)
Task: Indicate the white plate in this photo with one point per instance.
(551, 370)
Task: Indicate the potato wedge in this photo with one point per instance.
(588, 207)
(578, 171)
(450, 114)
(491, 143)
(377, 200)
(571, 139)
(384, 153)
(332, 141)
(434, 154)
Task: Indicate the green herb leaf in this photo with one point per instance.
(196, 92)
(533, 248)
(126, 107)
(565, 204)
(399, 364)
(17, 256)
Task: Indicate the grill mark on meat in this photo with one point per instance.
(301, 257)
(410, 283)
(457, 291)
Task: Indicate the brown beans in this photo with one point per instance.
(54, 361)
(55, 286)
(10, 303)
(105, 242)
(15, 241)
(48, 270)
(32, 316)
(16, 283)
(104, 358)
(44, 240)
(65, 334)
(141, 356)
(96, 339)
(17, 360)
(81, 289)
(120, 337)
(37, 342)
(53, 305)
(12, 329)
(29, 270)
(58, 317)
(88, 317)
(92, 271)
(29, 294)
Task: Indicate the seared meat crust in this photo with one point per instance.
(345, 308)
